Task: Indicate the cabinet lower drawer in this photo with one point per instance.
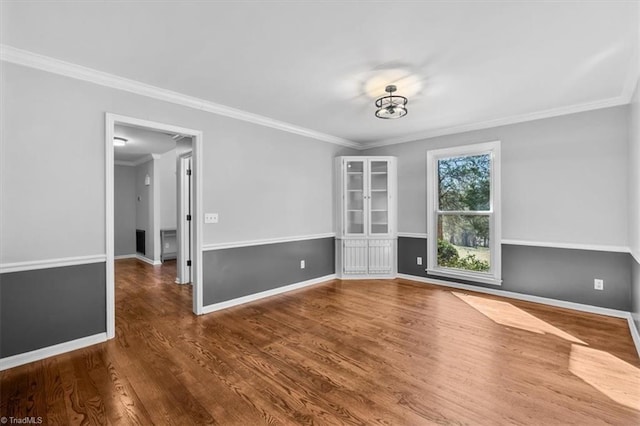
(380, 256)
(354, 257)
(366, 257)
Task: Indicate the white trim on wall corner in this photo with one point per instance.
(39, 354)
(263, 294)
(236, 244)
(572, 246)
(125, 256)
(412, 235)
(51, 263)
(68, 69)
(147, 260)
(636, 256)
(520, 296)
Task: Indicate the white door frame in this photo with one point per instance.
(183, 272)
(196, 164)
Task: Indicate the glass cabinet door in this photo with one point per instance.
(379, 197)
(354, 197)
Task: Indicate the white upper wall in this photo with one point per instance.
(165, 167)
(264, 183)
(564, 179)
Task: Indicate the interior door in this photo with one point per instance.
(185, 229)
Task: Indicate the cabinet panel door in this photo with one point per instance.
(380, 256)
(378, 197)
(354, 256)
(355, 179)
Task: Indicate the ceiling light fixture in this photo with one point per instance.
(391, 106)
(118, 141)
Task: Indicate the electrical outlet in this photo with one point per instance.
(211, 218)
(419, 260)
(302, 264)
(598, 284)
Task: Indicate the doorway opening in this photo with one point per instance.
(151, 214)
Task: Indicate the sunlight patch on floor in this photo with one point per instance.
(506, 314)
(612, 376)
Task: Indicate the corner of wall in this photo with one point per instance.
(634, 202)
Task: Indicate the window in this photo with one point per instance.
(463, 212)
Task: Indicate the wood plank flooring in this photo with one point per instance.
(388, 352)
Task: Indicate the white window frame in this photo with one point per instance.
(494, 276)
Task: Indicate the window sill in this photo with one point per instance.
(484, 279)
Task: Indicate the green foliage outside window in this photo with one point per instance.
(449, 258)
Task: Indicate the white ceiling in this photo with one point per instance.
(140, 144)
(307, 63)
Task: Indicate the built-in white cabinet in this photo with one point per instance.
(366, 210)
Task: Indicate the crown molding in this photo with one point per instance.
(522, 118)
(45, 63)
(68, 69)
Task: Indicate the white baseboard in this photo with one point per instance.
(520, 296)
(125, 256)
(147, 260)
(346, 277)
(39, 354)
(257, 296)
(635, 335)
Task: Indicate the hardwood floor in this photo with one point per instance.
(344, 352)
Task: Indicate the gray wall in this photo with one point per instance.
(45, 307)
(634, 200)
(563, 178)
(562, 274)
(124, 210)
(237, 272)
